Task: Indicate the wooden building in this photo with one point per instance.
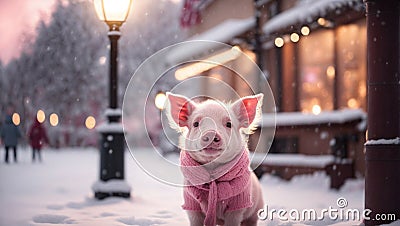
(313, 55)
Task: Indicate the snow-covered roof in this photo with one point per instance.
(319, 161)
(226, 30)
(383, 141)
(299, 118)
(305, 12)
(223, 32)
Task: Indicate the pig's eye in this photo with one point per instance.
(229, 124)
(196, 124)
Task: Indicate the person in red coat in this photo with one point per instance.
(37, 137)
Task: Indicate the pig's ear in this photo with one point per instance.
(178, 110)
(248, 112)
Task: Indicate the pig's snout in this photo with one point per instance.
(211, 139)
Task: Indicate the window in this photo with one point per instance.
(352, 65)
(329, 58)
(317, 72)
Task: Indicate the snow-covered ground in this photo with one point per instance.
(58, 192)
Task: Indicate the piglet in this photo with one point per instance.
(219, 186)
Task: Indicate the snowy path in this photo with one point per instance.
(58, 192)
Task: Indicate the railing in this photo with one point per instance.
(305, 143)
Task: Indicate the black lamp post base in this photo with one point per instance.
(112, 153)
(112, 149)
(103, 195)
(111, 188)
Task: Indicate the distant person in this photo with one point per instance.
(37, 137)
(10, 135)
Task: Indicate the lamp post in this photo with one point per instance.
(112, 183)
(163, 144)
(257, 35)
(159, 102)
(382, 150)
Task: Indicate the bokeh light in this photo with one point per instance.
(321, 21)
(40, 116)
(316, 109)
(53, 119)
(330, 72)
(279, 42)
(160, 100)
(90, 122)
(294, 37)
(353, 103)
(305, 30)
(16, 119)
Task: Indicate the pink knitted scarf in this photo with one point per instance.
(228, 184)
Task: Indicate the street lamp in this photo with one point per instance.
(114, 13)
(111, 183)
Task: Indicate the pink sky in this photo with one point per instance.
(16, 18)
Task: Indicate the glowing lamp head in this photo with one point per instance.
(113, 12)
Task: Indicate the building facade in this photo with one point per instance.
(313, 55)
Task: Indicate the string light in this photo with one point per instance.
(321, 21)
(279, 42)
(294, 37)
(305, 30)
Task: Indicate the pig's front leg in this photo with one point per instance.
(196, 218)
(233, 218)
